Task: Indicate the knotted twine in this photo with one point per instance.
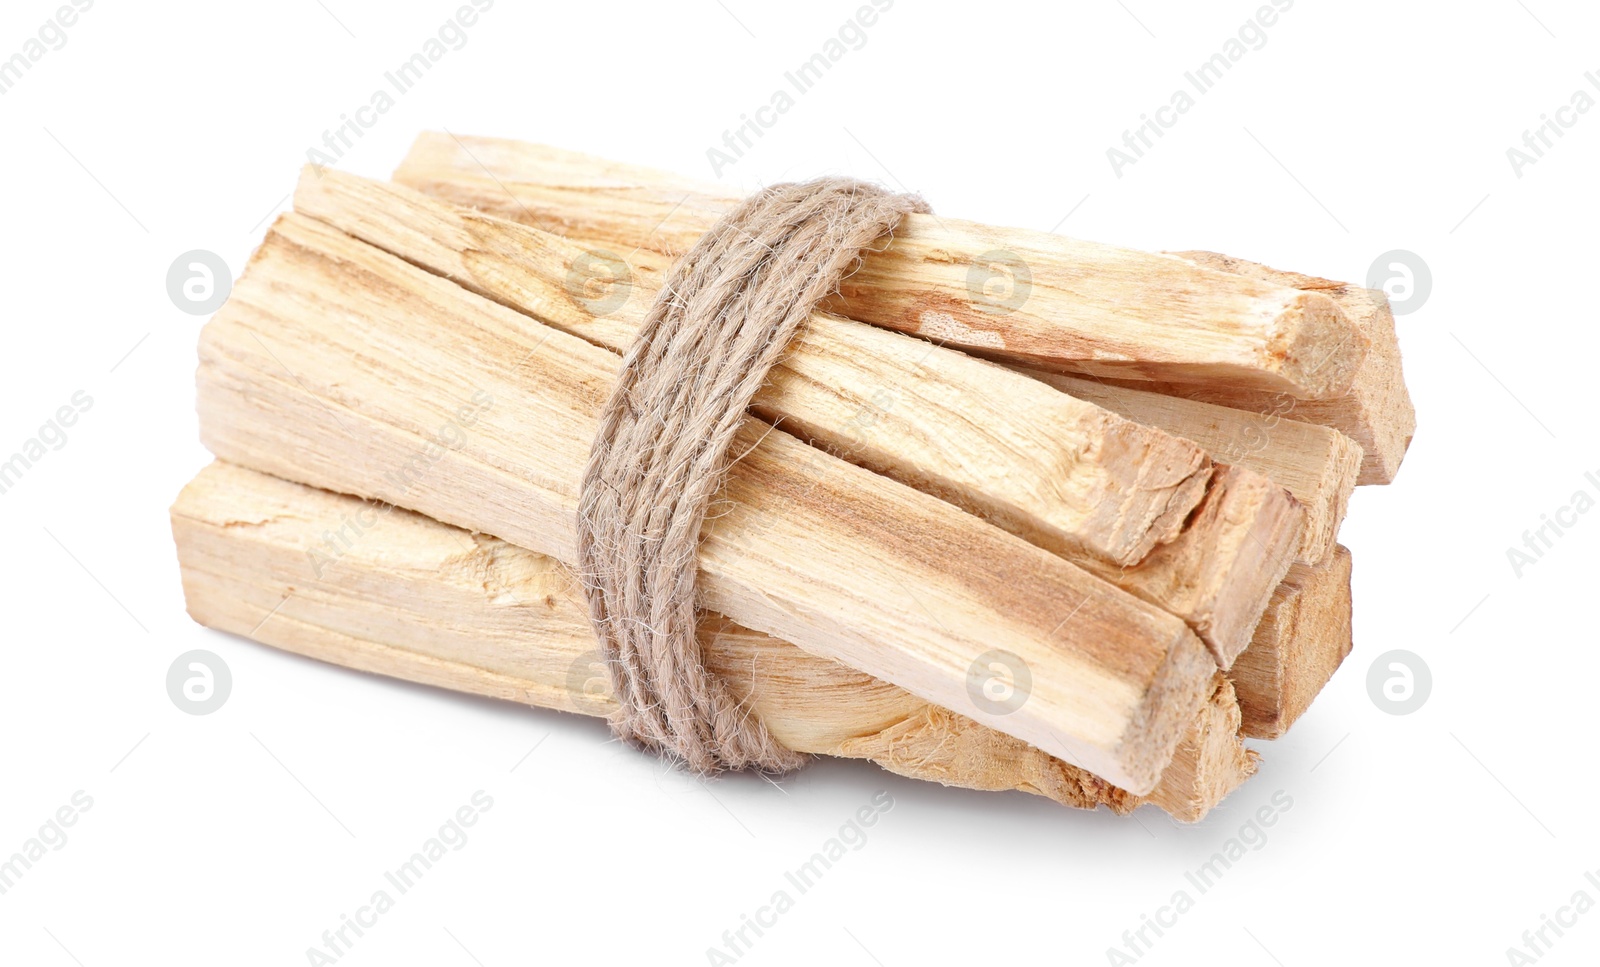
(724, 317)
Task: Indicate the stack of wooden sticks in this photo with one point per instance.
(1015, 512)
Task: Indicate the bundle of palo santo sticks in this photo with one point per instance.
(1014, 512)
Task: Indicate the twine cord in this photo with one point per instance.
(724, 317)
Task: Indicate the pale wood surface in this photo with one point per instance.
(1376, 411)
(1297, 648)
(1014, 294)
(1061, 473)
(1065, 474)
(1317, 464)
(414, 599)
(1215, 576)
(341, 366)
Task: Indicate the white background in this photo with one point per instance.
(240, 836)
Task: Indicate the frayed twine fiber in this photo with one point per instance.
(723, 319)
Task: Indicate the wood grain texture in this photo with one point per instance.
(1317, 464)
(341, 366)
(1064, 474)
(1297, 648)
(1376, 411)
(414, 599)
(1006, 293)
(1221, 574)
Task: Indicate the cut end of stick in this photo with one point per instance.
(1169, 484)
(1181, 686)
(1315, 346)
(1301, 641)
(1219, 573)
(1317, 464)
(1376, 411)
(1260, 523)
(1210, 762)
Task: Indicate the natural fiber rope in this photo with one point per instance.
(724, 318)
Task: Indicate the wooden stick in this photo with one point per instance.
(1376, 411)
(1029, 297)
(341, 366)
(1063, 474)
(418, 600)
(1211, 576)
(1317, 464)
(1297, 648)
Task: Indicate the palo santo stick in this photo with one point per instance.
(344, 367)
(1028, 297)
(1210, 763)
(1297, 648)
(1245, 530)
(422, 601)
(1317, 464)
(1376, 411)
(1061, 473)
(1006, 447)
